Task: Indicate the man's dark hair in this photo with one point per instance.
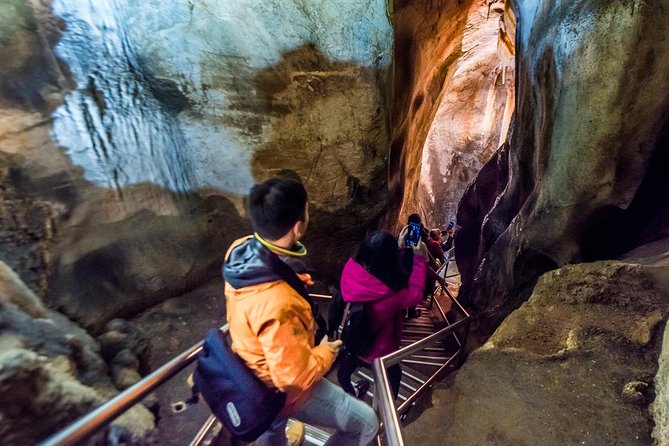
(276, 205)
(414, 218)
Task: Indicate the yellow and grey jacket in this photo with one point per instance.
(271, 324)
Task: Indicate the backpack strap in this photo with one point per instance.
(290, 277)
(342, 324)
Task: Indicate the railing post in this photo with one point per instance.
(461, 359)
(386, 406)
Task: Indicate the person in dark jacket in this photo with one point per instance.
(434, 246)
(374, 275)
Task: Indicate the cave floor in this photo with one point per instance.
(172, 327)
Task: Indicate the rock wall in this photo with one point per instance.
(474, 114)
(130, 133)
(52, 372)
(660, 406)
(454, 90)
(575, 364)
(586, 152)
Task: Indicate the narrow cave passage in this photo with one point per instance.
(459, 107)
(473, 116)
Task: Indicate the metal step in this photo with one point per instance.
(313, 436)
(424, 363)
(443, 357)
(420, 325)
(439, 345)
(424, 332)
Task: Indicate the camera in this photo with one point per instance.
(413, 234)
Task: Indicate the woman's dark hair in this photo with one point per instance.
(380, 256)
(276, 205)
(414, 218)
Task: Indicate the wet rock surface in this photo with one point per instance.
(575, 364)
(585, 155)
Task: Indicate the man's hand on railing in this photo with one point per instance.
(335, 346)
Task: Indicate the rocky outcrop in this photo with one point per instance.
(586, 153)
(575, 364)
(33, 389)
(39, 397)
(51, 372)
(102, 271)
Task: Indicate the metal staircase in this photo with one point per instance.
(418, 367)
(429, 346)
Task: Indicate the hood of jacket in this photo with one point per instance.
(358, 285)
(249, 264)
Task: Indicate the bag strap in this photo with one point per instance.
(284, 271)
(288, 275)
(344, 319)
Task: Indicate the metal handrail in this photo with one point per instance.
(92, 422)
(387, 411)
(204, 431)
(95, 420)
(383, 400)
(320, 296)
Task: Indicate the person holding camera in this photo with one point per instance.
(375, 276)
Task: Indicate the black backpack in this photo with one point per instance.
(239, 399)
(348, 321)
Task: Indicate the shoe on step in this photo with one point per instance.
(413, 314)
(360, 388)
(295, 433)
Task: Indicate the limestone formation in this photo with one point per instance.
(454, 101)
(575, 364)
(587, 160)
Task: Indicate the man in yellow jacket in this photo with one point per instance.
(272, 325)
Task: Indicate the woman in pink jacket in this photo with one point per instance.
(374, 276)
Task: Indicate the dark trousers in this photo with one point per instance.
(350, 363)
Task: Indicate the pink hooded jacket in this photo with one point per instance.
(358, 285)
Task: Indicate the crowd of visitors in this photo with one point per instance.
(273, 324)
